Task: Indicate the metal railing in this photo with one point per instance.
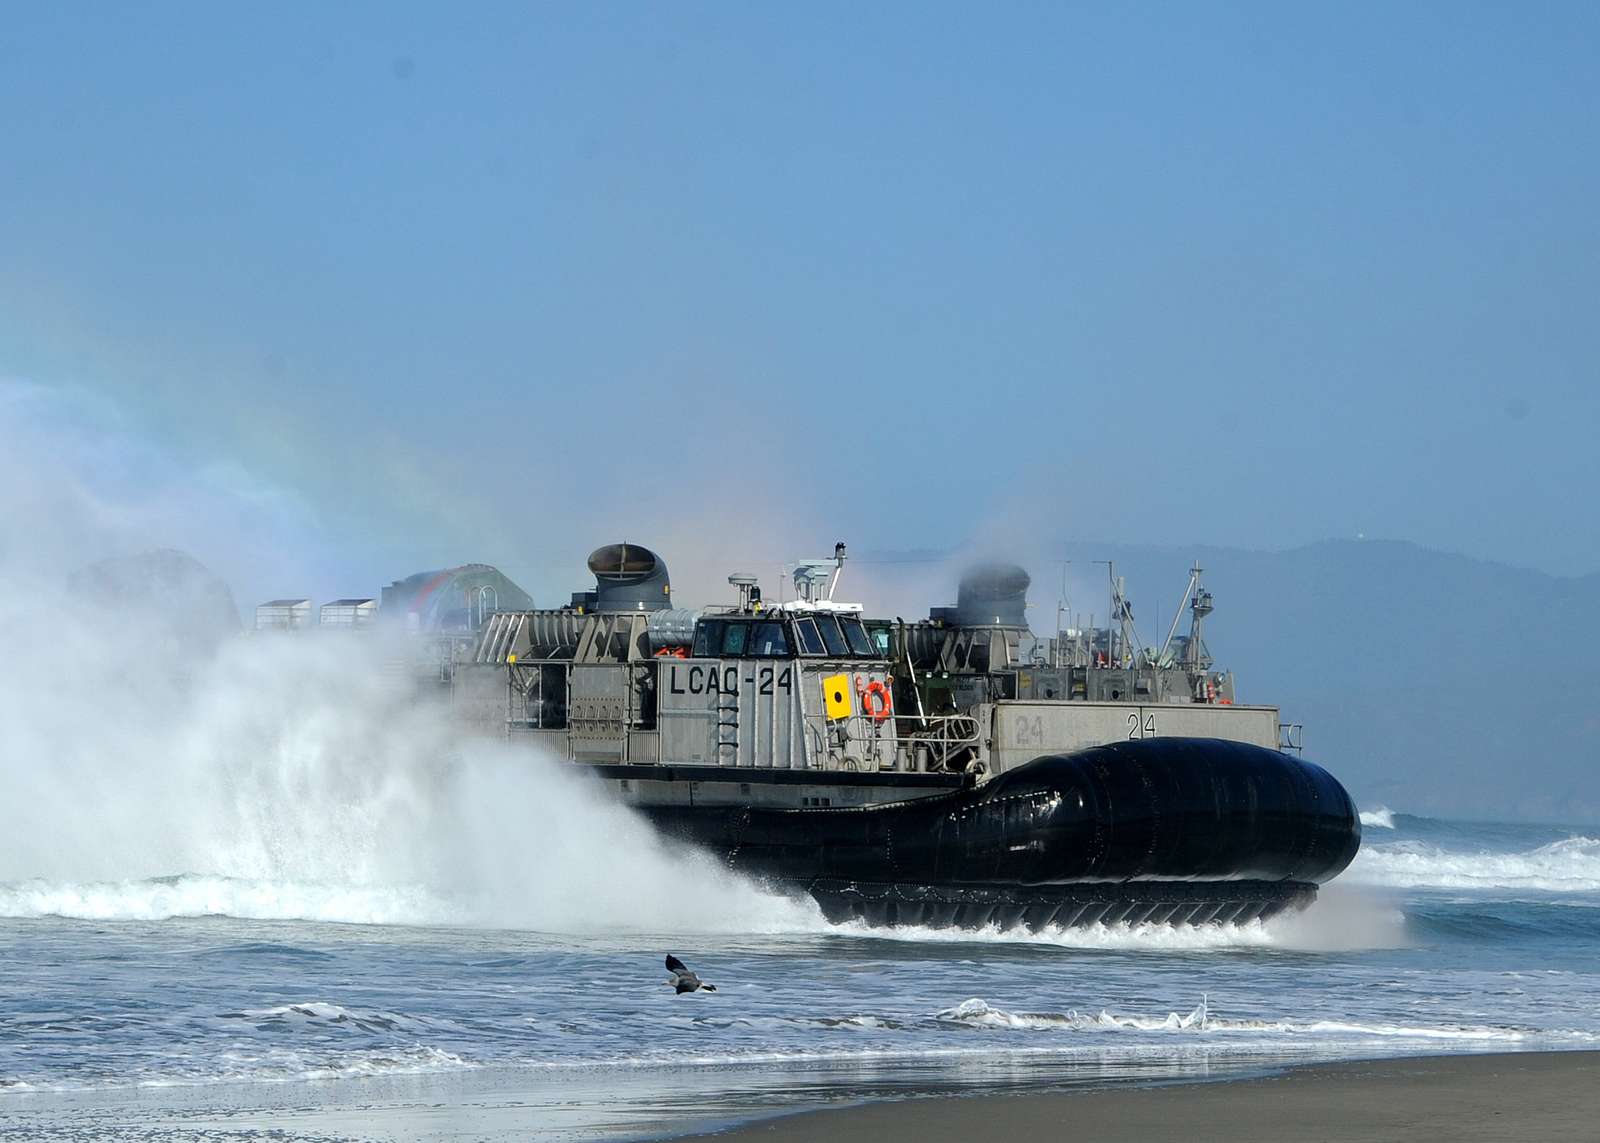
(945, 742)
(932, 744)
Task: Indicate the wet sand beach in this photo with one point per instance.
(1527, 1096)
(1532, 1097)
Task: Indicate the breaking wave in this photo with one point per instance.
(290, 779)
(978, 1013)
(157, 766)
(1571, 865)
(418, 1059)
(278, 1065)
(163, 898)
(320, 1014)
(335, 1043)
(1381, 817)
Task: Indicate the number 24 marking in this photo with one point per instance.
(1135, 730)
(784, 680)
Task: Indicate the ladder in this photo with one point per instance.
(727, 711)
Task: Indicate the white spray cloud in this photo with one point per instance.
(288, 778)
(1340, 919)
(270, 776)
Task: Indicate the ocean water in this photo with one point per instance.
(215, 1005)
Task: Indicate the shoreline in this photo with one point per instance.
(1539, 1097)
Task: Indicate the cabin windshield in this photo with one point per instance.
(832, 636)
(809, 638)
(857, 634)
(735, 637)
(770, 642)
(707, 638)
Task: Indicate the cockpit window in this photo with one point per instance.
(859, 643)
(770, 641)
(832, 636)
(805, 631)
(707, 638)
(734, 638)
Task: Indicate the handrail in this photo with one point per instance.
(946, 737)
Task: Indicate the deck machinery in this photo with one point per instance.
(957, 770)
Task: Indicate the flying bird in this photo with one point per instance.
(682, 979)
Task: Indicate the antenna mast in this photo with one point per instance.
(838, 560)
(1062, 606)
(1195, 652)
(1177, 616)
(1121, 614)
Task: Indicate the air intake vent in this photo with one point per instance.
(629, 578)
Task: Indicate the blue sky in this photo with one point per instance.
(505, 282)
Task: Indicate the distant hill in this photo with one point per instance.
(1428, 682)
(166, 592)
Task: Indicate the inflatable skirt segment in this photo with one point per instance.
(1159, 830)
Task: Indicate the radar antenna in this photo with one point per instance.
(810, 574)
(749, 591)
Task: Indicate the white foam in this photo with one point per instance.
(979, 1013)
(1381, 817)
(291, 777)
(1341, 918)
(290, 1065)
(272, 1066)
(288, 779)
(1571, 865)
(322, 1015)
(164, 898)
(1252, 934)
(312, 1008)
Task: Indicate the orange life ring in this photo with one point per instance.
(880, 710)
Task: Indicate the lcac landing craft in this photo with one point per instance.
(957, 770)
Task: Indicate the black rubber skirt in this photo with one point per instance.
(1163, 829)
